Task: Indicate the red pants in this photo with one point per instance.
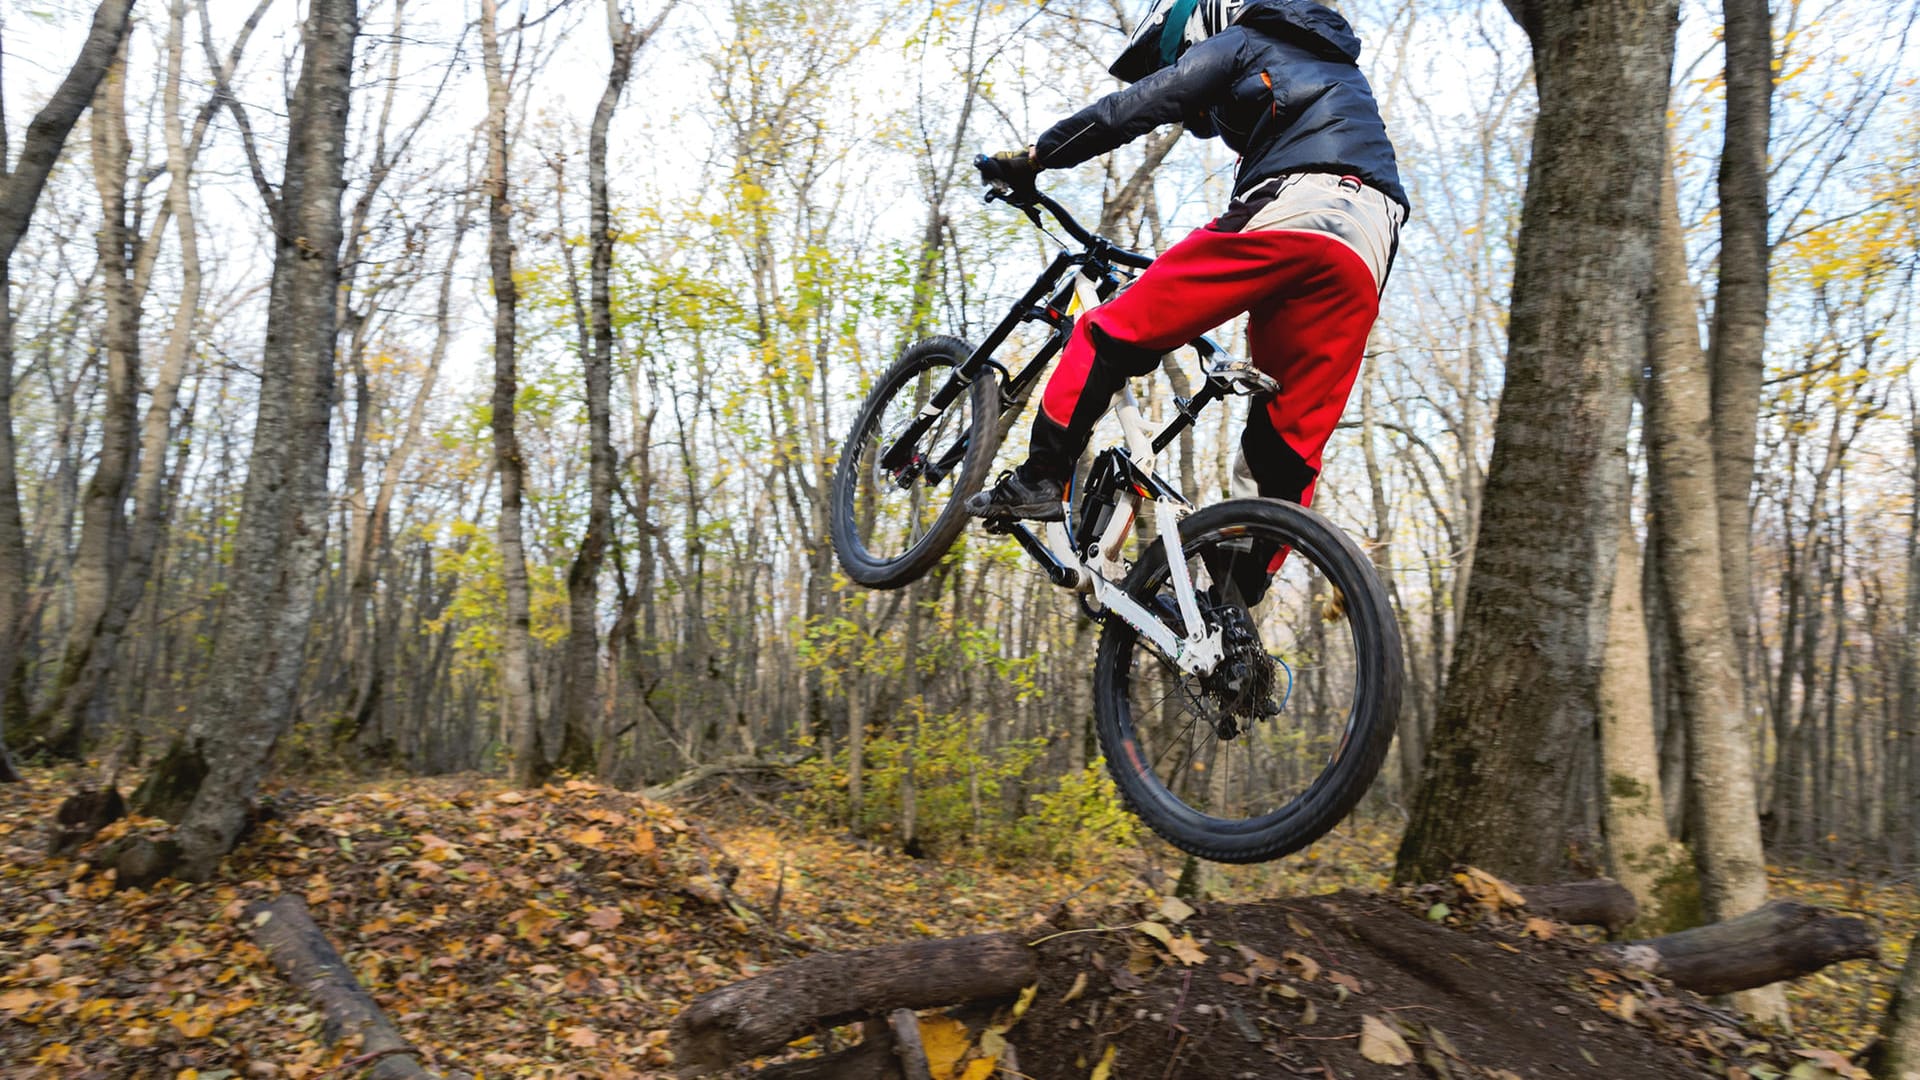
(1311, 302)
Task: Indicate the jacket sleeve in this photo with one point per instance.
(1199, 79)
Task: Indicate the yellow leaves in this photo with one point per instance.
(1483, 888)
(1309, 967)
(589, 837)
(18, 1001)
(1538, 928)
(1175, 910)
(196, 1023)
(946, 1041)
(1186, 950)
(642, 843)
(1381, 1044)
(1104, 1069)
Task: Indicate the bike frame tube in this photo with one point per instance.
(1023, 310)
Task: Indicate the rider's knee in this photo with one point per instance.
(1127, 358)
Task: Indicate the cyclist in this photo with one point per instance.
(1304, 247)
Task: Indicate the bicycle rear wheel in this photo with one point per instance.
(1264, 755)
(895, 509)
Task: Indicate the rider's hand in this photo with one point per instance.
(1011, 170)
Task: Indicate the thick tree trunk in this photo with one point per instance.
(518, 717)
(1639, 852)
(19, 194)
(759, 1015)
(1686, 535)
(279, 544)
(1737, 349)
(304, 957)
(1523, 692)
(1897, 1055)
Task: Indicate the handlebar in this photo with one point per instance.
(1099, 244)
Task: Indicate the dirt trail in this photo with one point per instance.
(1343, 986)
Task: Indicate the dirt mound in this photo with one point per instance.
(1353, 985)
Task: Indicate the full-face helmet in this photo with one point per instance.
(1165, 30)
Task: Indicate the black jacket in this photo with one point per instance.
(1280, 86)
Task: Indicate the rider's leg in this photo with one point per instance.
(1311, 342)
(1207, 278)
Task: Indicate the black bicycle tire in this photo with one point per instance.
(1376, 707)
(911, 565)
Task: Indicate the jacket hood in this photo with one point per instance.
(1318, 29)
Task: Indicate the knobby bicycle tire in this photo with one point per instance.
(885, 570)
(1372, 716)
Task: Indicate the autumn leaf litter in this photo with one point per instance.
(555, 933)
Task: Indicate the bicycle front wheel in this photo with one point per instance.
(1262, 756)
(896, 505)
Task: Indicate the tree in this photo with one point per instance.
(1737, 348)
(518, 716)
(20, 187)
(579, 685)
(93, 649)
(1639, 851)
(209, 776)
(1521, 699)
(1686, 535)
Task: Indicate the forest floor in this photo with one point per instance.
(555, 933)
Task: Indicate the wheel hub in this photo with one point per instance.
(1242, 685)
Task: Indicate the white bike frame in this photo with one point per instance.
(1100, 570)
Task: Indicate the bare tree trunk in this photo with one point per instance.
(1523, 693)
(1737, 349)
(1639, 852)
(1897, 1055)
(1410, 745)
(1686, 534)
(102, 547)
(77, 690)
(1905, 749)
(209, 777)
(580, 684)
(522, 724)
(20, 190)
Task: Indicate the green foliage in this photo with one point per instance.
(968, 795)
(1079, 818)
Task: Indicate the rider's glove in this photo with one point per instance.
(1012, 170)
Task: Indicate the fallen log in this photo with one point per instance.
(762, 1014)
(1599, 902)
(1778, 941)
(1896, 1056)
(305, 958)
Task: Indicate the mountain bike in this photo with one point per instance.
(1245, 692)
